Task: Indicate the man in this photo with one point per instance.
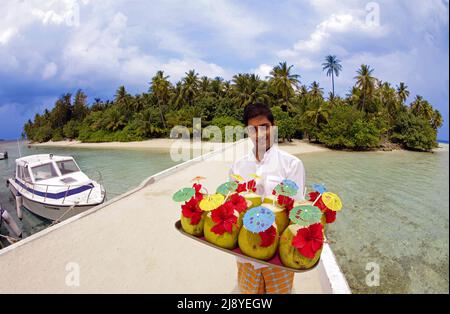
(272, 165)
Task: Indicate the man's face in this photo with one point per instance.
(260, 131)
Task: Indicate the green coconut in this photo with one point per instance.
(196, 230)
(225, 240)
(290, 256)
(249, 243)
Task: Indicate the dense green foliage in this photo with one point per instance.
(370, 115)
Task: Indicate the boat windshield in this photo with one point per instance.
(67, 166)
(44, 172)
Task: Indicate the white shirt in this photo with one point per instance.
(276, 166)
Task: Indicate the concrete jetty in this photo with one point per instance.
(130, 245)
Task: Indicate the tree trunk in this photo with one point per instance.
(332, 80)
(162, 116)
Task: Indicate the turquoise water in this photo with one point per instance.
(396, 214)
(121, 170)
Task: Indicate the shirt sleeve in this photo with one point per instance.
(297, 174)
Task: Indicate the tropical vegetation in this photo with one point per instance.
(371, 115)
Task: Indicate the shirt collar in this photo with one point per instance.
(267, 154)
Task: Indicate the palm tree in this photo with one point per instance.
(283, 82)
(366, 83)
(422, 108)
(248, 88)
(204, 85)
(191, 84)
(402, 92)
(315, 91)
(160, 87)
(437, 120)
(333, 67)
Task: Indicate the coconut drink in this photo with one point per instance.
(300, 246)
(258, 237)
(222, 223)
(192, 217)
(247, 189)
(228, 189)
(281, 216)
(281, 202)
(329, 203)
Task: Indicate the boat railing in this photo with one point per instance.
(34, 185)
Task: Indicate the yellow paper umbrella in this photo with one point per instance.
(211, 202)
(255, 176)
(332, 201)
(237, 177)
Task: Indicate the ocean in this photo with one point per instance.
(395, 218)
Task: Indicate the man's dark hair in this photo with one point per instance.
(257, 109)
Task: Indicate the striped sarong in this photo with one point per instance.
(268, 280)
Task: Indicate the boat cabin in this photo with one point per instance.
(49, 169)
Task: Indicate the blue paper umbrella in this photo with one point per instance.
(258, 219)
(319, 188)
(291, 184)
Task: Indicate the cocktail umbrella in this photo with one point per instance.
(319, 188)
(183, 195)
(290, 184)
(227, 188)
(237, 177)
(332, 201)
(285, 190)
(258, 219)
(305, 215)
(211, 202)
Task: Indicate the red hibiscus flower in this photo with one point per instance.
(191, 210)
(313, 196)
(268, 237)
(224, 218)
(330, 216)
(286, 202)
(239, 202)
(309, 240)
(197, 188)
(251, 185)
(242, 187)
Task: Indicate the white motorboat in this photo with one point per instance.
(53, 187)
(4, 155)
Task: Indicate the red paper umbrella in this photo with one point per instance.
(309, 240)
(224, 218)
(239, 202)
(191, 210)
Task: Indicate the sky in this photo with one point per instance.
(51, 47)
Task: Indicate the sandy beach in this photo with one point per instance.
(295, 147)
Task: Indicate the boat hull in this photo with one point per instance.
(51, 212)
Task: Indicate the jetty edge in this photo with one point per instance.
(129, 245)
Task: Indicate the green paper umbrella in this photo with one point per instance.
(305, 215)
(285, 190)
(227, 187)
(183, 195)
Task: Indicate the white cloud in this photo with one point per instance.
(263, 70)
(6, 35)
(337, 24)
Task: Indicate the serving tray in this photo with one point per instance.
(274, 262)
